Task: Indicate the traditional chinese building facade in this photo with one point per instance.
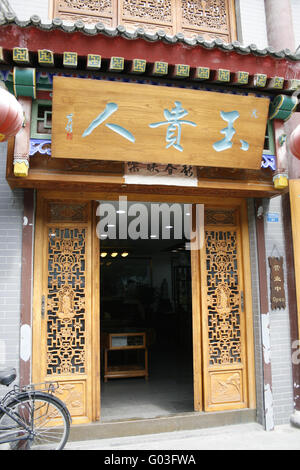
(131, 105)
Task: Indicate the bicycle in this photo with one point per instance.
(32, 418)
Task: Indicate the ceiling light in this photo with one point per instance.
(153, 236)
(114, 254)
(121, 212)
(187, 213)
(124, 254)
(103, 235)
(169, 226)
(110, 225)
(103, 254)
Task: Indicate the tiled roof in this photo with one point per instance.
(140, 33)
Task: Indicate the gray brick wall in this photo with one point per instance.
(282, 383)
(279, 323)
(11, 215)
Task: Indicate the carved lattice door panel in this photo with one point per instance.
(65, 342)
(223, 322)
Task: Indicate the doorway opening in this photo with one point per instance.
(145, 310)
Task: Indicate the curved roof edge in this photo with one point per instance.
(140, 33)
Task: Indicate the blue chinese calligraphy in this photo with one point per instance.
(109, 110)
(245, 145)
(69, 126)
(229, 131)
(174, 122)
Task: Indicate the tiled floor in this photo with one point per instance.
(169, 389)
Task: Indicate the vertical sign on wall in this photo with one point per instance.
(277, 282)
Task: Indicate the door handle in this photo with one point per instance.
(43, 306)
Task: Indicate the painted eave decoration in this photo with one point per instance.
(32, 53)
(139, 33)
(11, 115)
(105, 49)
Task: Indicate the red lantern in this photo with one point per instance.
(11, 115)
(295, 142)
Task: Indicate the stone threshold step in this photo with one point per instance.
(178, 422)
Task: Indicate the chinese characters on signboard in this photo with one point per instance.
(156, 169)
(174, 122)
(162, 174)
(277, 283)
(144, 123)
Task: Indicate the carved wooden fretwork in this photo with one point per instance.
(159, 11)
(60, 211)
(97, 6)
(66, 315)
(220, 217)
(89, 11)
(223, 298)
(209, 18)
(72, 394)
(226, 387)
(204, 13)
(150, 15)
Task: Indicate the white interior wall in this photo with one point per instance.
(253, 23)
(24, 9)
(296, 20)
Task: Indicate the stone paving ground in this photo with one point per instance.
(250, 436)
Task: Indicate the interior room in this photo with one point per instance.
(145, 312)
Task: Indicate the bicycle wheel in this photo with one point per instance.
(45, 415)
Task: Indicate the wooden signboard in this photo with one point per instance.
(144, 123)
(277, 282)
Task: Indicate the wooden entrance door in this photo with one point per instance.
(224, 316)
(64, 308)
(66, 340)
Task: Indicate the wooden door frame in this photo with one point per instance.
(237, 203)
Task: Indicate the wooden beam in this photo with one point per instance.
(265, 318)
(114, 183)
(196, 319)
(26, 287)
